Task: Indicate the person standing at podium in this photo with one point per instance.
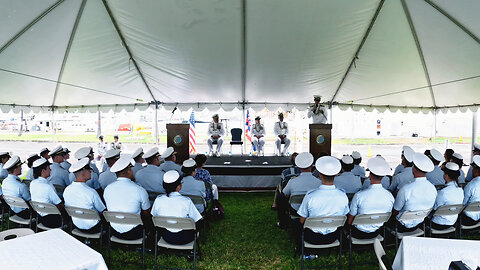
(317, 111)
(216, 132)
(281, 131)
(258, 139)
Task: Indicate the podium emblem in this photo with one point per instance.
(320, 139)
(178, 140)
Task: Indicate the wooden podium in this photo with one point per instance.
(178, 138)
(320, 139)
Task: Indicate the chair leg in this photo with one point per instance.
(340, 250)
(396, 236)
(101, 236)
(350, 248)
(156, 248)
(36, 224)
(195, 252)
(109, 244)
(143, 249)
(302, 255)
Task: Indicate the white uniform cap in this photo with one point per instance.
(79, 165)
(83, 152)
(406, 147)
(408, 154)
(39, 162)
(356, 155)
(452, 166)
(170, 176)
(12, 162)
(347, 160)
(57, 150)
(44, 149)
(422, 162)
(137, 152)
(122, 163)
(32, 155)
(3, 153)
(112, 153)
(380, 156)
(437, 155)
(457, 156)
(190, 163)
(328, 165)
(476, 146)
(151, 152)
(66, 150)
(476, 160)
(378, 166)
(168, 152)
(304, 160)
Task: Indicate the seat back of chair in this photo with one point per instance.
(196, 199)
(379, 252)
(415, 215)
(82, 213)
(122, 218)
(324, 222)
(296, 199)
(15, 233)
(45, 208)
(473, 207)
(449, 210)
(175, 223)
(236, 134)
(15, 201)
(368, 219)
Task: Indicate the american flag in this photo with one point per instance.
(192, 143)
(247, 127)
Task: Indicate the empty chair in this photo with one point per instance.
(15, 233)
(20, 203)
(88, 214)
(380, 253)
(46, 209)
(446, 210)
(236, 138)
(472, 207)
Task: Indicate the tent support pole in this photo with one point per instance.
(435, 112)
(156, 124)
(474, 129)
(99, 121)
(244, 129)
(54, 130)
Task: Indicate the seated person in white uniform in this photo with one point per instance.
(406, 175)
(4, 157)
(123, 195)
(447, 155)
(475, 151)
(58, 175)
(139, 160)
(13, 186)
(385, 179)
(258, 139)
(116, 144)
(107, 176)
(170, 158)
(357, 169)
(280, 129)
(458, 159)
(173, 204)
(151, 177)
(400, 166)
(317, 111)
(102, 148)
(192, 186)
(66, 156)
(416, 196)
(215, 134)
(44, 192)
(79, 194)
(31, 158)
(450, 194)
(324, 201)
(375, 199)
(347, 181)
(436, 176)
(472, 193)
(87, 152)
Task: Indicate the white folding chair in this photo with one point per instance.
(320, 223)
(20, 203)
(199, 200)
(379, 252)
(472, 207)
(295, 199)
(178, 224)
(15, 233)
(87, 214)
(446, 210)
(125, 219)
(407, 216)
(47, 209)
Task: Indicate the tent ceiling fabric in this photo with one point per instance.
(224, 54)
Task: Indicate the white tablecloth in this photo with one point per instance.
(436, 254)
(54, 249)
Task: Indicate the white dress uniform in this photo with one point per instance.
(117, 145)
(43, 191)
(436, 176)
(137, 167)
(450, 194)
(66, 165)
(79, 194)
(192, 186)
(401, 179)
(125, 196)
(12, 186)
(106, 178)
(92, 182)
(398, 169)
(472, 194)
(170, 165)
(301, 184)
(385, 183)
(258, 143)
(3, 172)
(29, 175)
(58, 176)
(281, 128)
(359, 171)
(175, 205)
(416, 196)
(215, 129)
(348, 182)
(319, 116)
(374, 199)
(102, 148)
(324, 201)
(150, 178)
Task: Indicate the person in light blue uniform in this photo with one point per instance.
(458, 159)
(192, 186)
(173, 204)
(285, 176)
(151, 178)
(436, 177)
(406, 176)
(324, 201)
(385, 180)
(87, 152)
(449, 195)
(170, 158)
(137, 156)
(107, 177)
(4, 157)
(31, 158)
(373, 200)
(66, 156)
(58, 175)
(400, 166)
(357, 169)
(12, 185)
(472, 193)
(475, 151)
(347, 180)
(79, 194)
(416, 196)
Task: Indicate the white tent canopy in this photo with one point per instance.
(410, 54)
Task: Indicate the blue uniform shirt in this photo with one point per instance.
(3, 172)
(358, 171)
(373, 200)
(137, 167)
(170, 165)
(348, 182)
(106, 178)
(289, 173)
(66, 165)
(472, 194)
(58, 175)
(204, 175)
(436, 176)
(92, 182)
(325, 201)
(450, 194)
(416, 196)
(398, 169)
(461, 178)
(192, 186)
(150, 178)
(301, 185)
(385, 182)
(401, 179)
(81, 195)
(469, 174)
(44, 192)
(12, 186)
(175, 205)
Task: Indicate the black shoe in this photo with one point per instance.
(282, 226)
